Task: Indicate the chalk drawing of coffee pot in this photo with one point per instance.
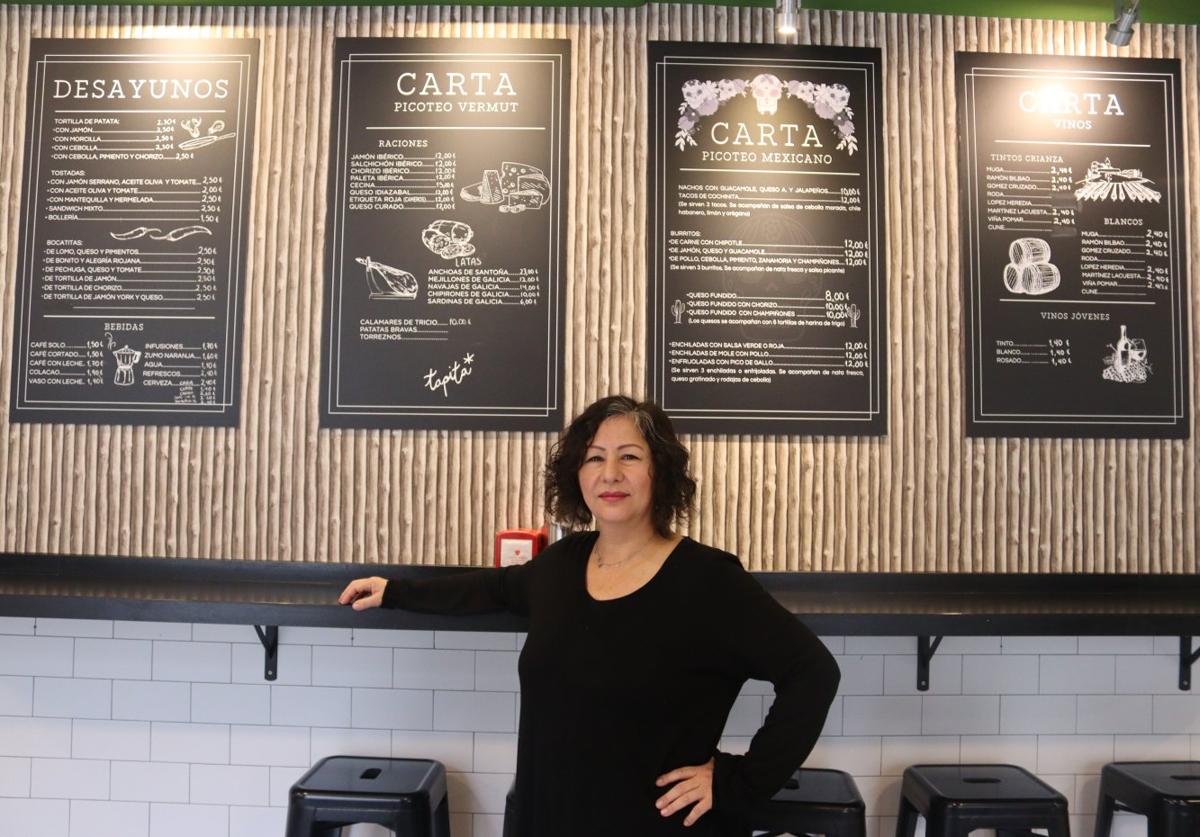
(126, 358)
(677, 309)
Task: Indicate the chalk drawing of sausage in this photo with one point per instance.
(136, 232)
(157, 234)
(182, 232)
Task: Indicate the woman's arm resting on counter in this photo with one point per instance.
(478, 591)
(364, 593)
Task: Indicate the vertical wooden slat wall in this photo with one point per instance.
(277, 488)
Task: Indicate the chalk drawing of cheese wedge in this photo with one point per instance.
(387, 282)
(514, 187)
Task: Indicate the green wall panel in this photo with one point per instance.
(1153, 11)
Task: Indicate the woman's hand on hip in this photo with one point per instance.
(364, 593)
(692, 785)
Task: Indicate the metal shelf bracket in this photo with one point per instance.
(269, 637)
(1186, 657)
(926, 647)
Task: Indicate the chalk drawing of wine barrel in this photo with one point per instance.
(1012, 278)
(1038, 279)
(1029, 251)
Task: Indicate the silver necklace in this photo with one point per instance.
(600, 565)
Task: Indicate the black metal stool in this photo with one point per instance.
(1166, 793)
(813, 801)
(956, 799)
(406, 795)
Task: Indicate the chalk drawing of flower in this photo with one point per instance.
(704, 98)
(832, 102)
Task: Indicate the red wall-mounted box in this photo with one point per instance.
(516, 546)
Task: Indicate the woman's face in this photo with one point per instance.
(616, 479)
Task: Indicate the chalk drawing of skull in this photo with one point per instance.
(766, 89)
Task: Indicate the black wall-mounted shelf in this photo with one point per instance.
(923, 605)
(838, 604)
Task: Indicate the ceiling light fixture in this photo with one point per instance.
(1120, 31)
(786, 13)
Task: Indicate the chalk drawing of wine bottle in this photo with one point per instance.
(1127, 362)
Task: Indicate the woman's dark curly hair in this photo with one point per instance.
(674, 488)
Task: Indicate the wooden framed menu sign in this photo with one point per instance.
(445, 254)
(133, 231)
(1071, 187)
(767, 282)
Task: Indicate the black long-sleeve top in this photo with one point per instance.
(615, 693)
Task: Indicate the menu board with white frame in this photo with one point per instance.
(133, 231)
(445, 255)
(1074, 267)
(767, 282)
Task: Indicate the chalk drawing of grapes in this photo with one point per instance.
(704, 98)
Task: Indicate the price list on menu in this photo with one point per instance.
(137, 164)
(445, 261)
(767, 283)
(1071, 181)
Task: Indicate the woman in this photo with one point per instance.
(639, 642)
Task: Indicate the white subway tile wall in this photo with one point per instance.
(110, 739)
(38, 655)
(429, 669)
(16, 625)
(192, 743)
(392, 708)
(151, 700)
(65, 697)
(367, 637)
(339, 666)
(307, 706)
(109, 819)
(36, 817)
(460, 752)
(230, 784)
(223, 703)
(266, 745)
(74, 627)
(14, 776)
(192, 661)
(69, 779)
(353, 742)
(46, 737)
(155, 729)
(173, 820)
(127, 659)
(150, 781)
(16, 695)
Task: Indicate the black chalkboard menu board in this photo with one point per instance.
(133, 231)
(445, 255)
(767, 283)
(1071, 187)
